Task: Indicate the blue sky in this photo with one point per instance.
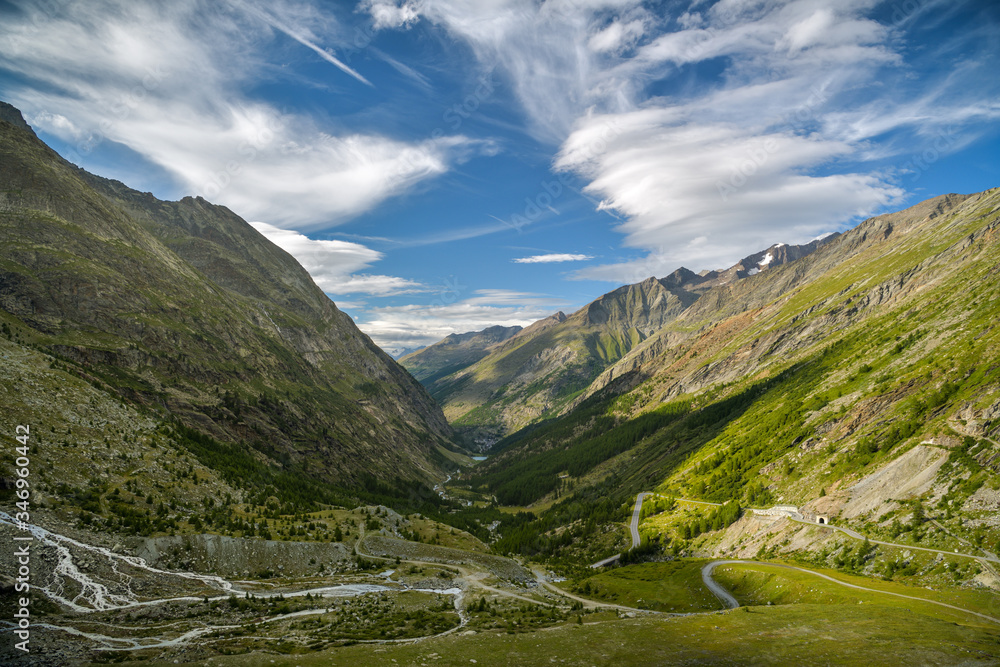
(440, 166)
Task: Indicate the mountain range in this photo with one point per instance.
(502, 381)
(184, 310)
(798, 380)
(217, 451)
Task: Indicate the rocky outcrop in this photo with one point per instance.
(239, 557)
(909, 476)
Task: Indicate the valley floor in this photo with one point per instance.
(419, 604)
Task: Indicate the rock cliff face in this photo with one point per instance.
(183, 308)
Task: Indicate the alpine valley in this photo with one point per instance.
(793, 460)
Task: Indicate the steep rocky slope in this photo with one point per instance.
(871, 255)
(183, 310)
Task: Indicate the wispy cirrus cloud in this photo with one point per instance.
(303, 38)
(554, 257)
(695, 212)
(797, 109)
(411, 326)
(169, 81)
(334, 264)
(554, 54)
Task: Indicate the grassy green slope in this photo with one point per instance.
(830, 368)
(778, 635)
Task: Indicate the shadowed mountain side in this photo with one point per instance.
(186, 309)
(795, 384)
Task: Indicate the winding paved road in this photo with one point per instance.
(730, 601)
(795, 516)
(725, 597)
(633, 527)
(635, 517)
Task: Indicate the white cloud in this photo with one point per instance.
(54, 123)
(548, 51)
(320, 257)
(333, 264)
(814, 85)
(387, 14)
(376, 285)
(166, 80)
(702, 194)
(505, 297)
(411, 326)
(701, 182)
(417, 325)
(617, 37)
(555, 257)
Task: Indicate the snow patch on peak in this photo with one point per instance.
(767, 260)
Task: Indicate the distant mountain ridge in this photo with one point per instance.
(183, 308)
(454, 352)
(544, 368)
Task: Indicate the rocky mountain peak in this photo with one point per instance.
(682, 277)
(778, 254)
(12, 115)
